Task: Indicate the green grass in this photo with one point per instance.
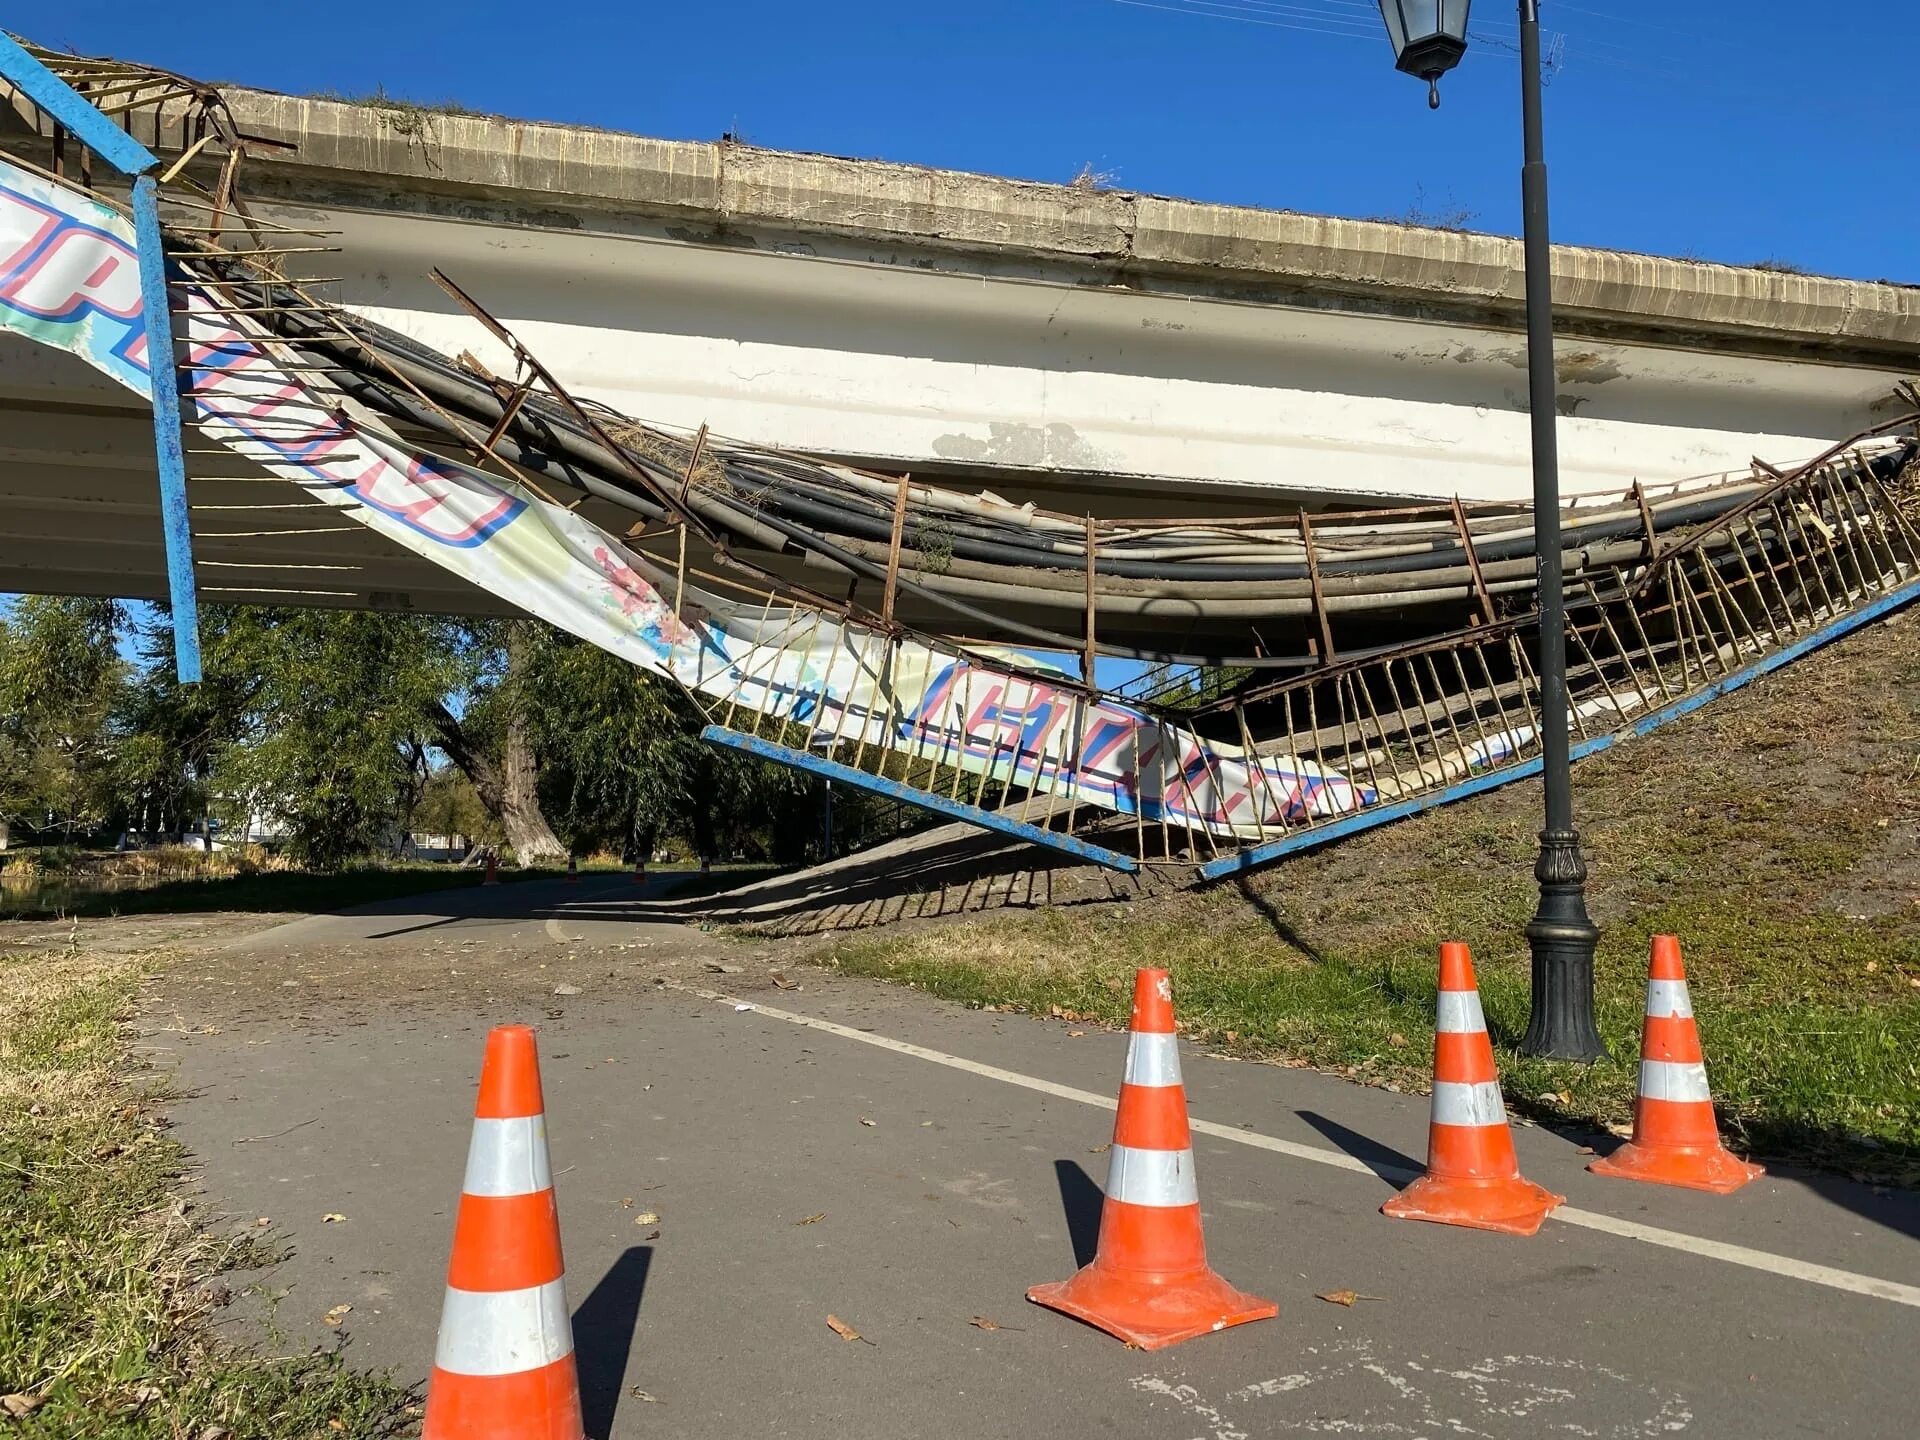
(1774, 833)
(107, 1282)
(262, 891)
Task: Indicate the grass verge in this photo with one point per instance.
(107, 1283)
(1778, 833)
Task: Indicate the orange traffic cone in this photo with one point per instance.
(493, 869)
(504, 1369)
(639, 872)
(573, 871)
(1675, 1140)
(1149, 1282)
(1472, 1176)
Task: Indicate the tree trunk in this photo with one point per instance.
(505, 787)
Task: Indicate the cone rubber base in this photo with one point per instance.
(1512, 1206)
(1151, 1312)
(1694, 1167)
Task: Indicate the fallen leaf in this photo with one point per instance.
(981, 1322)
(336, 1424)
(335, 1315)
(651, 1235)
(626, 1202)
(566, 989)
(813, 1219)
(1584, 1150)
(1346, 1297)
(646, 1217)
(844, 1330)
(1099, 1149)
(1075, 1034)
(18, 1406)
(215, 1432)
(332, 1217)
(780, 982)
(263, 1220)
(637, 1393)
(865, 1121)
(1396, 1038)
(143, 1395)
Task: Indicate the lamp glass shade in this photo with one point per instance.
(1428, 36)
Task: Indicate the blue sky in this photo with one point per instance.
(1669, 130)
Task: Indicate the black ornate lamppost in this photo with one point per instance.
(1429, 37)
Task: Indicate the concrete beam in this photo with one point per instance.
(734, 194)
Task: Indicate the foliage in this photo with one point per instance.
(59, 680)
(622, 764)
(331, 736)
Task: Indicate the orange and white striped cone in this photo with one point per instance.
(1675, 1140)
(493, 869)
(1473, 1176)
(1149, 1282)
(504, 1368)
(640, 872)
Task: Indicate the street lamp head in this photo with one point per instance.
(1429, 37)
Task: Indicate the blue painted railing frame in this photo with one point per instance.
(924, 799)
(70, 109)
(1254, 856)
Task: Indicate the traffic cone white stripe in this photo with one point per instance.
(1674, 1080)
(1159, 1178)
(1669, 998)
(503, 1332)
(509, 1157)
(1153, 1060)
(1459, 1013)
(1455, 1103)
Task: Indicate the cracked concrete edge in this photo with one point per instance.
(1096, 236)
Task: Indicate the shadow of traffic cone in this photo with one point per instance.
(504, 1367)
(1472, 1177)
(1675, 1140)
(1149, 1282)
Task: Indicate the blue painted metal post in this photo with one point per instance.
(174, 518)
(71, 110)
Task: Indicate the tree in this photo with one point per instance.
(60, 676)
(491, 740)
(622, 763)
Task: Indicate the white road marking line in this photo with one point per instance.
(1764, 1260)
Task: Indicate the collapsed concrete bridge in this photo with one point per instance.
(494, 442)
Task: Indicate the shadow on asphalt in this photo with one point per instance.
(1386, 1162)
(1082, 1200)
(603, 1336)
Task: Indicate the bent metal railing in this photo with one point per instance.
(1805, 559)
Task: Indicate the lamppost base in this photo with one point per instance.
(1562, 936)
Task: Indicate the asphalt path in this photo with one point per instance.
(911, 1167)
